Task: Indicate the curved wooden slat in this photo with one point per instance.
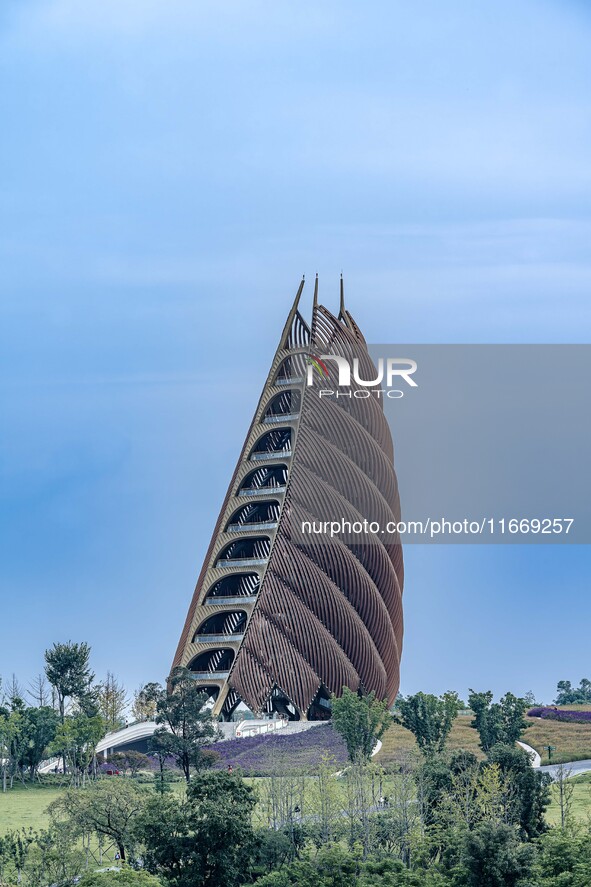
(325, 613)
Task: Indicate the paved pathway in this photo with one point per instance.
(575, 767)
(535, 758)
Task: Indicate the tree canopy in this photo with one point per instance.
(569, 695)
(429, 718)
(498, 721)
(108, 808)
(205, 841)
(186, 725)
(68, 671)
(361, 721)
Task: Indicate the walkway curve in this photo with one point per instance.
(575, 767)
(536, 760)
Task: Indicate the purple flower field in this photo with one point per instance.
(275, 753)
(169, 763)
(557, 714)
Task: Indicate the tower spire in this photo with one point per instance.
(315, 302)
(290, 317)
(342, 304)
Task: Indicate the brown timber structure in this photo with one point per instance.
(280, 621)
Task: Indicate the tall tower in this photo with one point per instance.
(279, 620)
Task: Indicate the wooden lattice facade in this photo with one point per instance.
(277, 620)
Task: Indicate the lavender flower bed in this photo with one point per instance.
(169, 763)
(274, 753)
(557, 714)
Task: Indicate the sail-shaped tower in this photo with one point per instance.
(280, 620)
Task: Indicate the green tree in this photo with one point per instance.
(186, 725)
(361, 721)
(569, 695)
(530, 793)
(39, 730)
(273, 849)
(461, 799)
(434, 783)
(494, 857)
(14, 852)
(206, 840)
(564, 859)
(429, 718)
(334, 866)
(55, 856)
(492, 797)
(108, 808)
(144, 702)
(11, 744)
(76, 740)
(337, 866)
(130, 761)
(68, 671)
(112, 702)
(498, 721)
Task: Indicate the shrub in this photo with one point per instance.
(124, 877)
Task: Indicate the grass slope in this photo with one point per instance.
(399, 742)
(572, 741)
(25, 807)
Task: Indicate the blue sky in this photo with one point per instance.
(167, 173)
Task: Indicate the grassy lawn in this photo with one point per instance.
(581, 801)
(25, 807)
(22, 807)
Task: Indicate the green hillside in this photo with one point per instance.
(572, 741)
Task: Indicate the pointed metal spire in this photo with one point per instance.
(315, 302)
(292, 314)
(344, 315)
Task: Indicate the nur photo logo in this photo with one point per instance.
(388, 371)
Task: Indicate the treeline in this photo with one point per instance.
(569, 695)
(66, 720)
(64, 713)
(436, 819)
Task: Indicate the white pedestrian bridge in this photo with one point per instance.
(127, 738)
(142, 731)
(136, 736)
